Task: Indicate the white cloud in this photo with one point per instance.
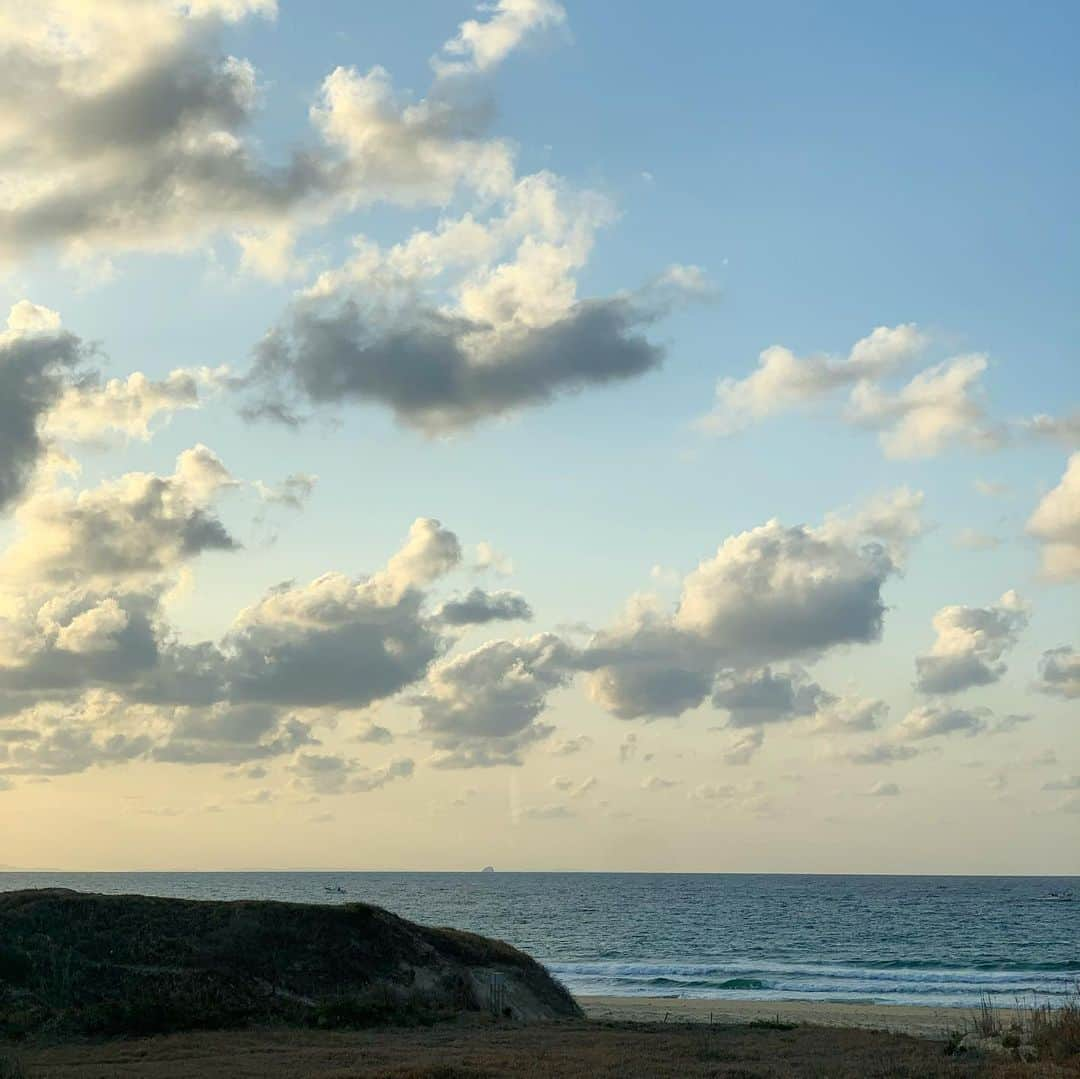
(970, 644)
(86, 413)
(93, 630)
(938, 407)
(1056, 524)
(851, 715)
(139, 524)
(758, 698)
(784, 381)
(328, 774)
(487, 558)
(343, 642)
(473, 319)
(480, 46)
(880, 753)
(771, 594)
(929, 721)
(126, 127)
(482, 708)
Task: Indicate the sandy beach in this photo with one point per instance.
(925, 1022)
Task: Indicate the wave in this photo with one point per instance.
(883, 980)
(883, 970)
(728, 983)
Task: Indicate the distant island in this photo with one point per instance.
(488, 869)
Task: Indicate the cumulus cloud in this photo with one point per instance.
(783, 381)
(480, 607)
(374, 733)
(771, 594)
(929, 721)
(938, 407)
(488, 559)
(329, 774)
(970, 644)
(37, 359)
(64, 641)
(67, 750)
(472, 320)
(140, 524)
(343, 642)
(881, 753)
(1056, 524)
(480, 46)
(759, 698)
(1059, 673)
(228, 733)
(66, 647)
(89, 412)
(851, 715)
(125, 127)
(482, 708)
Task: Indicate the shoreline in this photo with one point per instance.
(922, 1020)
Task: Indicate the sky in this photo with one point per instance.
(553, 435)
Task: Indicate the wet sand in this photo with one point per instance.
(926, 1022)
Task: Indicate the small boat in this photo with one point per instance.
(1058, 897)
(334, 889)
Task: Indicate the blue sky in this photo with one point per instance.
(829, 170)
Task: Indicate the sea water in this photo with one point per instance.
(901, 940)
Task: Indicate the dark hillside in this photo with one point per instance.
(105, 964)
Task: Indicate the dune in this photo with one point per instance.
(130, 964)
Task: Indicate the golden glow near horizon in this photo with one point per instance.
(387, 482)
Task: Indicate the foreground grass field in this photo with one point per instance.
(578, 1049)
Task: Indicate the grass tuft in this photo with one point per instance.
(775, 1023)
(10, 1068)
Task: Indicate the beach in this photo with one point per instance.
(920, 1020)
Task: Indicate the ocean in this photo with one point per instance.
(882, 939)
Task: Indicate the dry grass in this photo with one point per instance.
(1054, 1030)
(570, 1050)
(10, 1067)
